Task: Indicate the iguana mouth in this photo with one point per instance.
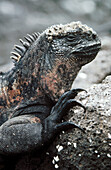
(87, 51)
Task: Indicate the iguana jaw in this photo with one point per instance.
(86, 53)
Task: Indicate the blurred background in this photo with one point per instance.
(19, 17)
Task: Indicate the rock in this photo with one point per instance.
(74, 149)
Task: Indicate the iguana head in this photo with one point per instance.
(69, 47)
(48, 63)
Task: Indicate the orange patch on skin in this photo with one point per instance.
(50, 82)
(14, 95)
(18, 98)
(62, 91)
(33, 74)
(52, 79)
(26, 82)
(1, 107)
(35, 120)
(39, 93)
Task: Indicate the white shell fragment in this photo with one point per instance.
(69, 143)
(109, 155)
(109, 135)
(56, 158)
(56, 166)
(59, 148)
(75, 145)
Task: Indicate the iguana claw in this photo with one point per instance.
(67, 125)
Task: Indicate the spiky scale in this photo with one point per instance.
(18, 51)
(16, 54)
(30, 37)
(36, 34)
(25, 44)
(14, 58)
(28, 40)
(21, 48)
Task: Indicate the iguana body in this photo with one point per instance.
(31, 104)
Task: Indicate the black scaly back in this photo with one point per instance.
(19, 51)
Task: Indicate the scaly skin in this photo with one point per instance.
(33, 95)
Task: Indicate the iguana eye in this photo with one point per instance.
(70, 37)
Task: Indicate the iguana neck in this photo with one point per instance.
(60, 78)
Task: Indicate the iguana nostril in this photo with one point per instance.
(94, 36)
(91, 34)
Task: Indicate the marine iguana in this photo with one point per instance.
(35, 94)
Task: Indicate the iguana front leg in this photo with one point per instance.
(65, 103)
(20, 134)
(26, 133)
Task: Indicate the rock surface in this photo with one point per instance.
(74, 149)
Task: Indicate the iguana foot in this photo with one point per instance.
(52, 125)
(65, 103)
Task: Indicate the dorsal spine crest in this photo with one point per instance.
(19, 51)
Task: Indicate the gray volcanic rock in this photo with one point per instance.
(74, 149)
